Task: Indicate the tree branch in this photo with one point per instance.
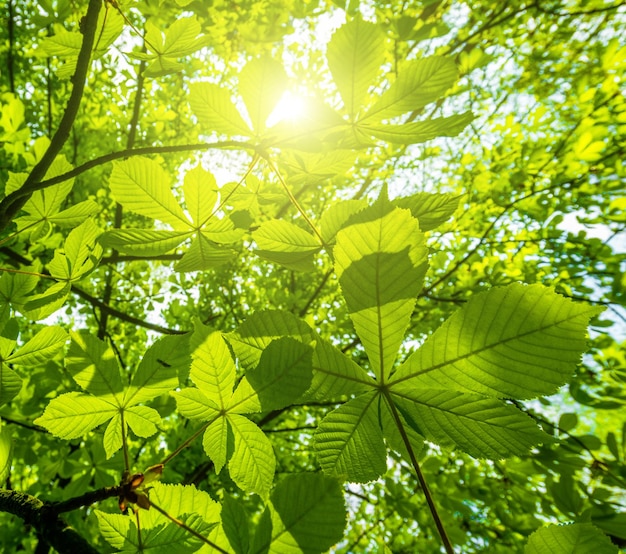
(129, 152)
(84, 500)
(124, 316)
(49, 525)
(13, 203)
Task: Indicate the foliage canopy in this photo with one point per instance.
(282, 277)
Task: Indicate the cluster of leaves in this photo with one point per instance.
(305, 300)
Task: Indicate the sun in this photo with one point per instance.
(290, 108)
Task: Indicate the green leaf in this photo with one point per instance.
(142, 420)
(81, 254)
(430, 209)
(76, 214)
(180, 500)
(212, 368)
(6, 453)
(307, 514)
(355, 54)
(113, 438)
(200, 190)
(8, 337)
(47, 202)
(481, 426)
(159, 534)
(287, 244)
(42, 347)
(610, 522)
(313, 167)
(260, 328)
(512, 342)
(235, 524)
(215, 111)
(218, 442)
(349, 441)
(157, 373)
(393, 435)
(261, 84)
(10, 384)
(420, 131)
(419, 83)
(15, 289)
(336, 216)
(142, 186)
(576, 538)
(380, 260)
(143, 242)
(181, 39)
(94, 367)
(335, 375)
(194, 404)
(203, 255)
(46, 303)
(252, 464)
(71, 415)
(282, 376)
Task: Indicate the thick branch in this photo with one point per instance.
(14, 202)
(127, 154)
(50, 527)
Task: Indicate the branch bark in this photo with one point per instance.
(13, 203)
(46, 520)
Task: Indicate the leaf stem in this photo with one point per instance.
(420, 476)
(188, 529)
(295, 202)
(22, 272)
(124, 445)
(187, 442)
(139, 540)
(251, 166)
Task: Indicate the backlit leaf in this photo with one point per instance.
(420, 131)
(253, 462)
(71, 415)
(43, 346)
(419, 82)
(430, 209)
(10, 383)
(93, 365)
(155, 374)
(261, 84)
(142, 186)
(516, 341)
(576, 538)
(355, 54)
(481, 426)
(6, 452)
(380, 260)
(287, 244)
(212, 367)
(218, 442)
(143, 242)
(282, 376)
(203, 255)
(307, 514)
(215, 111)
(200, 189)
(349, 441)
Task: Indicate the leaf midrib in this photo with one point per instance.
(484, 348)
